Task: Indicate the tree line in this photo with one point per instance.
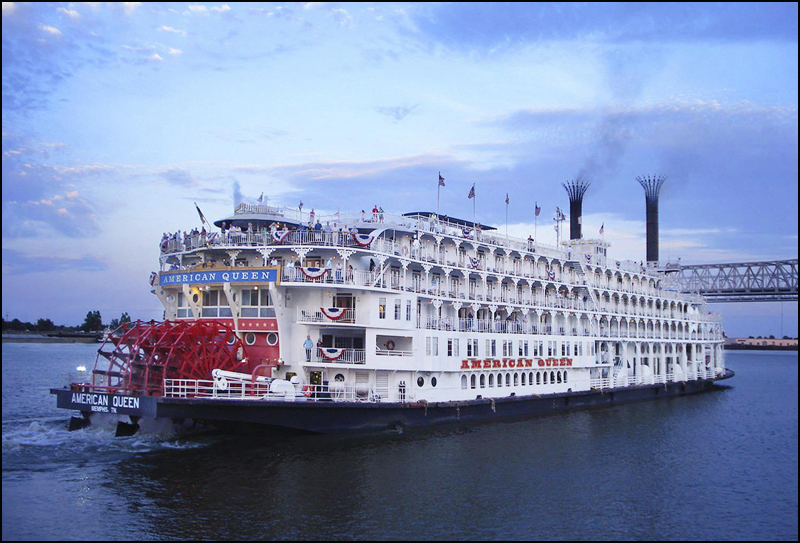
(92, 323)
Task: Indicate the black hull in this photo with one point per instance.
(267, 417)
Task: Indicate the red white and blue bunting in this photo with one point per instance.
(280, 236)
(551, 274)
(363, 240)
(589, 258)
(313, 273)
(153, 276)
(475, 262)
(333, 313)
(331, 354)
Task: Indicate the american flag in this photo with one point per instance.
(261, 198)
(536, 209)
(471, 192)
(202, 217)
(506, 198)
(301, 205)
(441, 180)
(602, 228)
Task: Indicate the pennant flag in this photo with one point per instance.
(602, 228)
(536, 209)
(202, 217)
(261, 198)
(441, 180)
(506, 198)
(471, 192)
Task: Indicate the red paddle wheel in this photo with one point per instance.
(137, 357)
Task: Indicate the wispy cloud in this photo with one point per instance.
(397, 113)
(16, 263)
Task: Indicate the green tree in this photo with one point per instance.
(45, 325)
(93, 322)
(124, 318)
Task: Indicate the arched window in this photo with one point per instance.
(538, 378)
(508, 379)
(545, 378)
(516, 379)
(472, 381)
(499, 379)
(523, 379)
(558, 376)
(464, 381)
(565, 376)
(483, 381)
(491, 380)
(552, 377)
(530, 378)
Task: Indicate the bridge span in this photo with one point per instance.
(768, 281)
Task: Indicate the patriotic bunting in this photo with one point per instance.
(313, 273)
(332, 354)
(333, 313)
(363, 240)
(280, 236)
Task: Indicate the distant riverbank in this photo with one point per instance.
(61, 337)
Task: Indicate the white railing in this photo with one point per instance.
(232, 389)
(315, 315)
(387, 352)
(349, 356)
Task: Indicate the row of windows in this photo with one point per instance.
(255, 303)
(398, 309)
(525, 348)
(519, 379)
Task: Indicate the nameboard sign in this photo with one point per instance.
(260, 275)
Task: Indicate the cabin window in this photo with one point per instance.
(382, 308)
(472, 381)
(483, 381)
(397, 310)
(464, 382)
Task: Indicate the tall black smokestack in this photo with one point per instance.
(652, 186)
(575, 190)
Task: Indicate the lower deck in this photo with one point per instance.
(325, 415)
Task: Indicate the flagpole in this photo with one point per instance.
(438, 189)
(506, 218)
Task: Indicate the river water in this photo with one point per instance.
(719, 465)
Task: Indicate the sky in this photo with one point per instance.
(118, 116)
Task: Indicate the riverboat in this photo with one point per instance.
(280, 320)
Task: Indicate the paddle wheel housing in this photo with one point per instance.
(137, 357)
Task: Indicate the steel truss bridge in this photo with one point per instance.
(773, 281)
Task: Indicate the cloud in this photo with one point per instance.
(178, 176)
(18, 263)
(71, 13)
(486, 29)
(53, 31)
(130, 7)
(156, 57)
(397, 113)
(224, 8)
(173, 51)
(165, 28)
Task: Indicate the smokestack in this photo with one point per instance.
(652, 186)
(575, 190)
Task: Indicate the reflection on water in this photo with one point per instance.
(716, 465)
